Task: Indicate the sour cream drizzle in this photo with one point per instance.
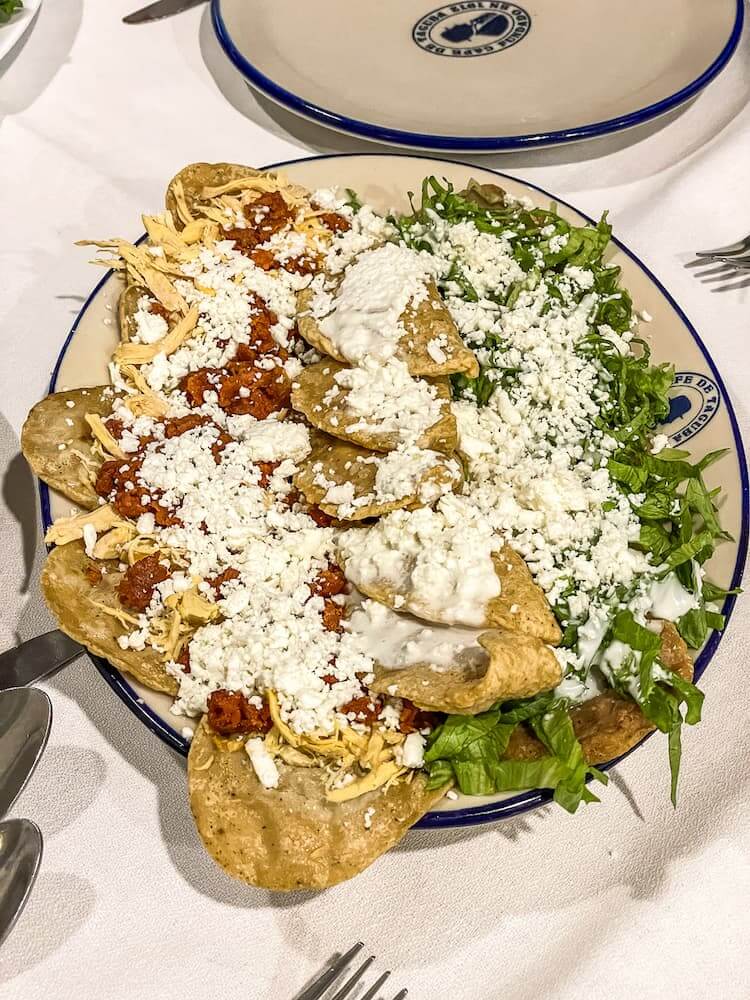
(364, 318)
(399, 640)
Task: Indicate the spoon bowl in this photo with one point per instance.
(20, 855)
(25, 720)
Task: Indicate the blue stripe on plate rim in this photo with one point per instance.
(515, 804)
(485, 144)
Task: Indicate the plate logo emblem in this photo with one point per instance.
(471, 28)
(693, 402)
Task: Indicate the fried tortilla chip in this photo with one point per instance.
(342, 479)
(291, 837)
(521, 606)
(308, 396)
(74, 591)
(185, 192)
(127, 307)
(610, 724)
(58, 444)
(429, 323)
(516, 666)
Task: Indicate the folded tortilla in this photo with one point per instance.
(521, 606)
(71, 596)
(194, 179)
(353, 471)
(428, 321)
(515, 666)
(291, 837)
(308, 396)
(71, 470)
(609, 724)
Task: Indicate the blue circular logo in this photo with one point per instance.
(471, 28)
(693, 403)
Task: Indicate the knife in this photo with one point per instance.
(162, 8)
(36, 658)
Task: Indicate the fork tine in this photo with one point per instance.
(354, 979)
(316, 989)
(400, 995)
(741, 263)
(734, 248)
(375, 988)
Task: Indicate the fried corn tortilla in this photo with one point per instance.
(316, 381)
(428, 321)
(127, 307)
(291, 837)
(521, 606)
(72, 592)
(354, 470)
(609, 725)
(53, 422)
(516, 666)
(186, 189)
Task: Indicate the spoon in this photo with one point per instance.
(20, 854)
(25, 720)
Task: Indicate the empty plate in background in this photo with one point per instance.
(479, 75)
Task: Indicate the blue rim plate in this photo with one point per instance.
(701, 386)
(395, 83)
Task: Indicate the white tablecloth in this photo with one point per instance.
(625, 899)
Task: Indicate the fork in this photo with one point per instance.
(736, 254)
(334, 970)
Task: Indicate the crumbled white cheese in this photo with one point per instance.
(384, 397)
(263, 763)
(412, 750)
(89, 538)
(659, 443)
(149, 327)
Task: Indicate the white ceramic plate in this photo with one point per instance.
(701, 411)
(479, 75)
(19, 24)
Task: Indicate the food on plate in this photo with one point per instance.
(452, 669)
(609, 724)
(381, 502)
(351, 483)
(83, 593)
(58, 443)
(376, 406)
(292, 835)
(386, 306)
(444, 566)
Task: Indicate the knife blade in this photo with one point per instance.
(36, 658)
(162, 8)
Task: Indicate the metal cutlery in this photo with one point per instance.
(25, 720)
(162, 8)
(335, 969)
(737, 255)
(36, 658)
(20, 854)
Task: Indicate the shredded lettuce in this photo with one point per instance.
(659, 692)
(469, 750)
(8, 8)
(353, 200)
(678, 514)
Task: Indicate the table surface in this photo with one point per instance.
(627, 898)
